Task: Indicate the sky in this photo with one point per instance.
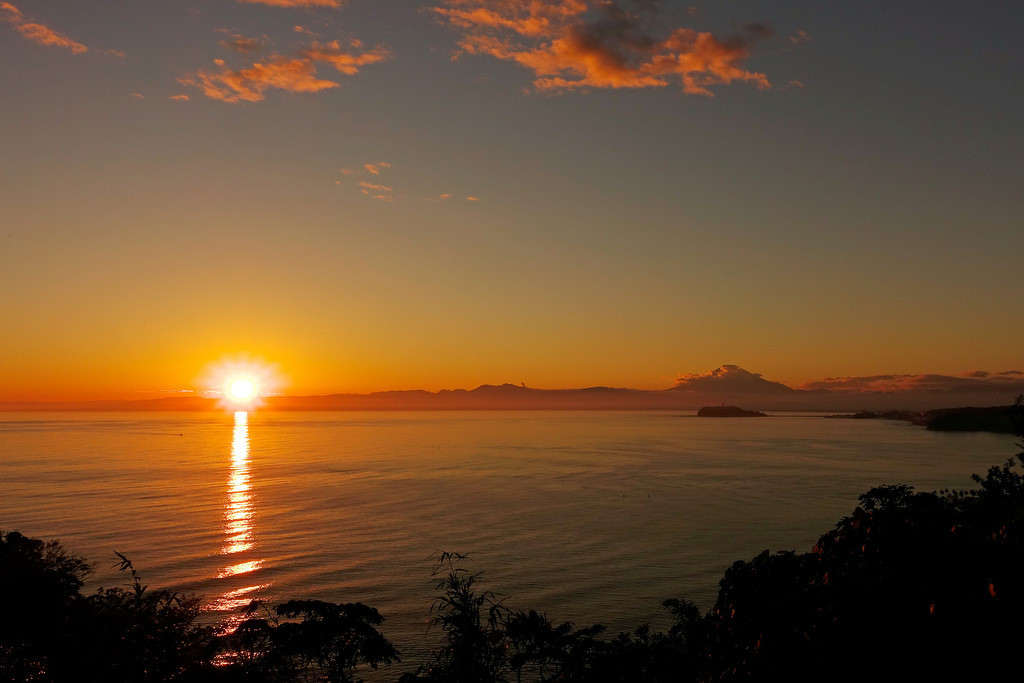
(385, 194)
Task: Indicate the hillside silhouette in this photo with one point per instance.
(727, 384)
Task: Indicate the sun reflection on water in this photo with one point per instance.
(238, 514)
(239, 530)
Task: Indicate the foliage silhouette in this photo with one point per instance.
(472, 648)
(53, 632)
(328, 643)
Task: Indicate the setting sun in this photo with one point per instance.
(240, 381)
(241, 389)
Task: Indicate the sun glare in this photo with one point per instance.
(241, 389)
(241, 382)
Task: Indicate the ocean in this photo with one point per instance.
(590, 517)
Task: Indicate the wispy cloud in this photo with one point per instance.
(295, 3)
(345, 61)
(367, 187)
(372, 187)
(368, 179)
(1009, 381)
(581, 44)
(180, 98)
(240, 43)
(375, 169)
(249, 85)
(40, 33)
(295, 74)
(446, 196)
(799, 37)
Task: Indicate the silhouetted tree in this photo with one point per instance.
(909, 585)
(329, 642)
(39, 583)
(472, 648)
(51, 632)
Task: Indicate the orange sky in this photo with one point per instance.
(384, 195)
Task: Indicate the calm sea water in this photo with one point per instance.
(589, 516)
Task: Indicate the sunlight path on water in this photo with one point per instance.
(239, 528)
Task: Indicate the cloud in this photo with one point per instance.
(248, 85)
(373, 187)
(346, 62)
(240, 43)
(375, 169)
(138, 96)
(976, 381)
(446, 196)
(38, 33)
(10, 13)
(295, 3)
(180, 98)
(581, 44)
(376, 191)
(291, 74)
(370, 186)
(799, 37)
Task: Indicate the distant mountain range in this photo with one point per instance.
(726, 385)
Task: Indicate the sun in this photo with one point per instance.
(241, 382)
(241, 389)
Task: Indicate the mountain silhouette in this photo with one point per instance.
(731, 379)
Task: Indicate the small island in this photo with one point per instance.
(727, 411)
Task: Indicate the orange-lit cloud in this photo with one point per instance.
(346, 62)
(1009, 381)
(374, 189)
(580, 44)
(180, 98)
(248, 85)
(291, 74)
(38, 33)
(295, 3)
(10, 13)
(734, 379)
(375, 169)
